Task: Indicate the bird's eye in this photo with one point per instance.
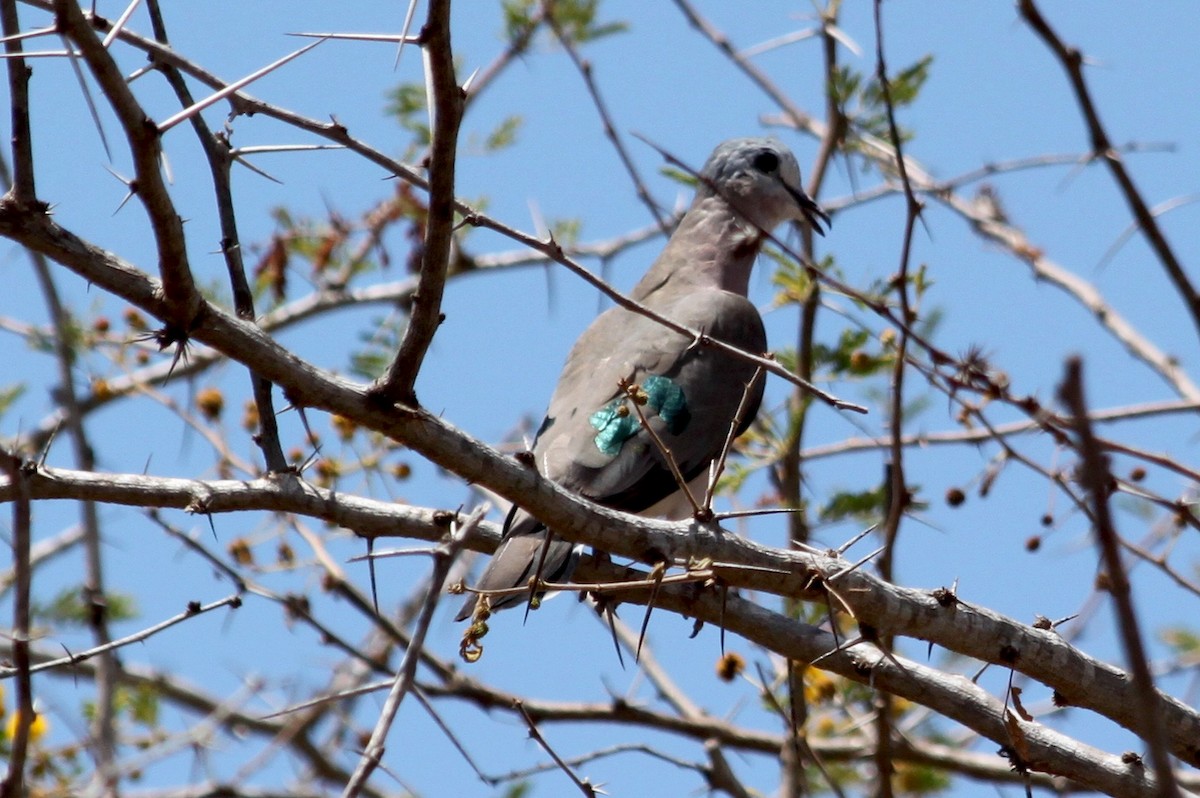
(766, 162)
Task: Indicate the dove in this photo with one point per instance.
(593, 441)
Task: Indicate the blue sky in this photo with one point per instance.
(994, 94)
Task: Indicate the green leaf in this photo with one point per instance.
(503, 135)
(577, 20)
(920, 779)
(862, 100)
(1183, 642)
(380, 346)
(849, 504)
(920, 280)
(142, 703)
(844, 85)
(518, 18)
(407, 103)
(733, 478)
(839, 357)
(566, 231)
(790, 278)
(904, 86)
(68, 608)
(520, 789)
(679, 176)
(10, 394)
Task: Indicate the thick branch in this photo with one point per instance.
(216, 152)
(954, 697)
(145, 144)
(23, 189)
(975, 632)
(446, 101)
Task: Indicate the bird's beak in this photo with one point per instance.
(811, 210)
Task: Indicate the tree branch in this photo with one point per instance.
(1072, 63)
(446, 104)
(1096, 477)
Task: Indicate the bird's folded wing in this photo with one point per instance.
(593, 441)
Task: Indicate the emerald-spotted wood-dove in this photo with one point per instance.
(592, 441)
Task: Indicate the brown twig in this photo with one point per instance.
(13, 785)
(1071, 60)
(718, 465)
(635, 400)
(583, 785)
(446, 104)
(217, 153)
(94, 592)
(195, 609)
(304, 309)
(1096, 478)
(444, 557)
(23, 189)
(585, 71)
(897, 486)
(182, 300)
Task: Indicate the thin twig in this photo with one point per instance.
(219, 161)
(14, 781)
(444, 558)
(610, 131)
(718, 465)
(195, 609)
(23, 186)
(631, 391)
(231, 88)
(1072, 63)
(1096, 477)
(584, 786)
(178, 286)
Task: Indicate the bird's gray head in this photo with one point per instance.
(760, 178)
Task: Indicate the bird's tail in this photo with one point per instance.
(527, 549)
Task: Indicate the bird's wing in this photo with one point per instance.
(593, 441)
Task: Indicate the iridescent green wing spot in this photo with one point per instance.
(667, 399)
(616, 423)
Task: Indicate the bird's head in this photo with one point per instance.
(760, 178)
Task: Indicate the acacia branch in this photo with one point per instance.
(316, 304)
(1079, 680)
(446, 104)
(953, 697)
(366, 517)
(14, 781)
(890, 609)
(217, 153)
(23, 187)
(1072, 63)
(1096, 477)
(182, 300)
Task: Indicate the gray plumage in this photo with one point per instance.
(587, 443)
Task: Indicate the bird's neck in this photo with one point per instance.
(711, 248)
